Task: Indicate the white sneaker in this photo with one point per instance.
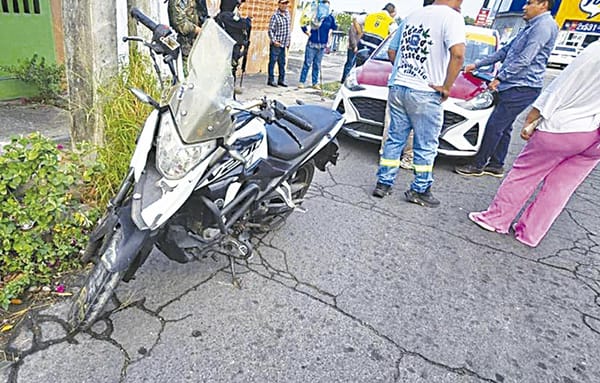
(482, 225)
(301, 85)
(316, 86)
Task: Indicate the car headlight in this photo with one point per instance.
(352, 81)
(174, 158)
(483, 100)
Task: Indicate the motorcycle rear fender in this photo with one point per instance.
(327, 150)
(133, 241)
(329, 153)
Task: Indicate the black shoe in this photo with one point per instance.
(283, 84)
(381, 190)
(469, 170)
(494, 171)
(271, 83)
(424, 199)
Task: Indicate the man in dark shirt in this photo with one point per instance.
(518, 82)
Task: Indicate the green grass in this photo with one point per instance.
(330, 89)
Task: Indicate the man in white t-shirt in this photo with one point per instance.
(428, 53)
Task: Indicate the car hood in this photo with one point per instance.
(376, 73)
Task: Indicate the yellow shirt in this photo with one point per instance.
(378, 24)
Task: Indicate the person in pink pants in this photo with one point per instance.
(560, 153)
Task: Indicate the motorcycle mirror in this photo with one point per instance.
(143, 97)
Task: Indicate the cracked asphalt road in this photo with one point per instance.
(356, 289)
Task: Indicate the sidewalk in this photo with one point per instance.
(18, 118)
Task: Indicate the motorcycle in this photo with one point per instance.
(207, 172)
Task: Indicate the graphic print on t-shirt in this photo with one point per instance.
(414, 46)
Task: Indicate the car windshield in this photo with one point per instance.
(478, 46)
(200, 103)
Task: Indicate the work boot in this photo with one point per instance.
(424, 199)
(381, 190)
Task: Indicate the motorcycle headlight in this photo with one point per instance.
(352, 81)
(483, 100)
(174, 158)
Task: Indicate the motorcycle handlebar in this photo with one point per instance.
(145, 20)
(299, 122)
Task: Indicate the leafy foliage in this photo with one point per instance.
(49, 79)
(43, 224)
(343, 20)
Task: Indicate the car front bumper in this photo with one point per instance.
(364, 111)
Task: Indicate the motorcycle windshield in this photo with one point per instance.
(200, 104)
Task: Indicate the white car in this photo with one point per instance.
(362, 98)
(562, 55)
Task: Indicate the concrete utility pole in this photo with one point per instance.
(91, 57)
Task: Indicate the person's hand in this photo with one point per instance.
(531, 122)
(355, 50)
(493, 85)
(277, 44)
(197, 30)
(528, 131)
(469, 68)
(443, 92)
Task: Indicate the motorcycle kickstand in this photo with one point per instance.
(235, 281)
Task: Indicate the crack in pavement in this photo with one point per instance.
(31, 324)
(287, 279)
(272, 271)
(578, 245)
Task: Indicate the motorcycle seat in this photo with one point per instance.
(283, 146)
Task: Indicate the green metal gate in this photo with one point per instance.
(26, 28)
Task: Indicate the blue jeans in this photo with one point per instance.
(350, 60)
(496, 139)
(276, 55)
(312, 57)
(421, 112)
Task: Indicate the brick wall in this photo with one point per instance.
(261, 12)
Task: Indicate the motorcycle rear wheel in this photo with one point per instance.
(299, 183)
(98, 288)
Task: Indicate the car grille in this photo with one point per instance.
(369, 108)
(451, 119)
(472, 134)
(376, 130)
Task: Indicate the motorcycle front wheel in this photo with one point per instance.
(98, 288)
